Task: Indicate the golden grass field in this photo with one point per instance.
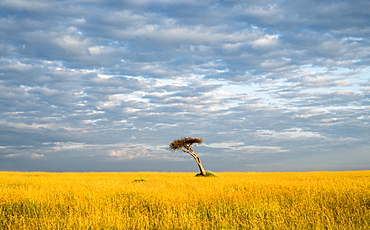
(151, 200)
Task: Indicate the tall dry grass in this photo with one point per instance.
(149, 200)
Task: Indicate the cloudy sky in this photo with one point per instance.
(95, 85)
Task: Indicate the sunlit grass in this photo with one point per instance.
(150, 200)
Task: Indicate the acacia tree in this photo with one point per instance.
(184, 144)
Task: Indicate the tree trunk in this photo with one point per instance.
(202, 171)
(196, 158)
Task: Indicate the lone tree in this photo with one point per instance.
(184, 144)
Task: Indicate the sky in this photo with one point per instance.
(270, 86)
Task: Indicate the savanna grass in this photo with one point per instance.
(310, 200)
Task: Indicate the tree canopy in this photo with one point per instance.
(184, 142)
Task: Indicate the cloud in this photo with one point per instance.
(288, 134)
(79, 80)
(30, 155)
(144, 151)
(241, 148)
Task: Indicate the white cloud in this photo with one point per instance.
(292, 133)
(68, 145)
(36, 156)
(240, 147)
(26, 126)
(143, 151)
(225, 145)
(266, 41)
(29, 155)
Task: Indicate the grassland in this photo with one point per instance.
(150, 200)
